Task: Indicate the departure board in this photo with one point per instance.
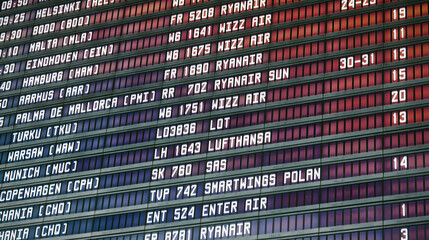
(214, 119)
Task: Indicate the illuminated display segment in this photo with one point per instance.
(394, 96)
(299, 176)
(196, 168)
(309, 131)
(11, 4)
(344, 63)
(144, 8)
(293, 222)
(124, 100)
(273, 226)
(270, 198)
(160, 173)
(397, 96)
(242, 80)
(263, 18)
(350, 61)
(343, 192)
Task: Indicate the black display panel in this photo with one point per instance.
(207, 119)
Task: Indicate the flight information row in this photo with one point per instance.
(327, 66)
(165, 196)
(344, 23)
(319, 47)
(368, 144)
(293, 221)
(272, 226)
(414, 94)
(201, 167)
(391, 118)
